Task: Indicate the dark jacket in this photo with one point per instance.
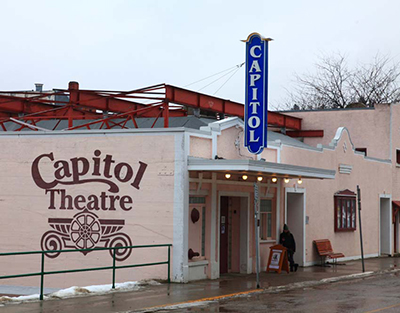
(287, 240)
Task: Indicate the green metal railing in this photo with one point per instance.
(114, 267)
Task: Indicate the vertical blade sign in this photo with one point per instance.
(256, 107)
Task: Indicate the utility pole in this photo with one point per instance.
(257, 230)
(359, 222)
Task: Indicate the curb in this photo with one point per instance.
(274, 289)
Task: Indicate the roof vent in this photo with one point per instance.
(38, 87)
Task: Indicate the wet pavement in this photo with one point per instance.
(11, 291)
(168, 294)
(371, 294)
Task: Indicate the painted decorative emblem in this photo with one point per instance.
(86, 231)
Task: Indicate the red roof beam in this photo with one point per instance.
(110, 102)
(6, 115)
(22, 106)
(116, 93)
(281, 120)
(35, 99)
(139, 112)
(305, 133)
(98, 102)
(197, 100)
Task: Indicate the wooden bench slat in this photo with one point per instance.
(324, 249)
(336, 255)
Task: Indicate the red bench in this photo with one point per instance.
(325, 250)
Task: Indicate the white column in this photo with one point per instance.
(214, 229)
(278, 209)
(180, 269)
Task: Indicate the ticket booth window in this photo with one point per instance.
(265, 219)
(197, 224)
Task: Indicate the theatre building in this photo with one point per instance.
(82, 169)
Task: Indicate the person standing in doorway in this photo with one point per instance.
(286, 239)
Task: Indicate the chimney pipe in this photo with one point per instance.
(73, 85)
(38, 87)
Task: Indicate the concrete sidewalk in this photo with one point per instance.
(153, 298)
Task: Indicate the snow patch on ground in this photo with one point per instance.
(79, 291)
(346, 277)
(177, 306)
(186, 305)
(5, 299)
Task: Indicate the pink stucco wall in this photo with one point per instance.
(374, 179)
(26, 213)
(227, 147)
(373, 176)
(369, 128)
(231, 146)
(200, 147)
(270, 155)
(395, 147)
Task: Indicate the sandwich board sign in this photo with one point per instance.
(256, 105)
(278, 259)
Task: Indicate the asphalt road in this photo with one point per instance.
(373, 294)
(378, 293)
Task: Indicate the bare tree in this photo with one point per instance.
(334, 85)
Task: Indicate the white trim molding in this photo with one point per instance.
(345, 169)
(198, 164)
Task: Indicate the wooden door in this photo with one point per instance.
(395, 232)
(223, 235)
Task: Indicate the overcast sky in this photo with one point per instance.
(124, 45)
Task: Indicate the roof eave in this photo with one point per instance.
(259, 167)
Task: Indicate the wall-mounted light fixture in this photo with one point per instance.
(227, 175)
(299, 181)
(286, 180)
(274, 179)
(244, 177)
(259, 178)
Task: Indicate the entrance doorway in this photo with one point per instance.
(385, 227)
(396, 216)
(295, 219)
(233, 235)
(396, 232)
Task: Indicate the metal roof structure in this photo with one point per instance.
(74, 108)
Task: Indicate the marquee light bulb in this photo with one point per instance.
(274, 179)
(259, 178)
(227, 176)
(244, 177)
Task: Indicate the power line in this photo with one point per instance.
(211, 76)
(233, 70)
(238, 68)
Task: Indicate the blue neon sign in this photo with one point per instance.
(256, 106)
